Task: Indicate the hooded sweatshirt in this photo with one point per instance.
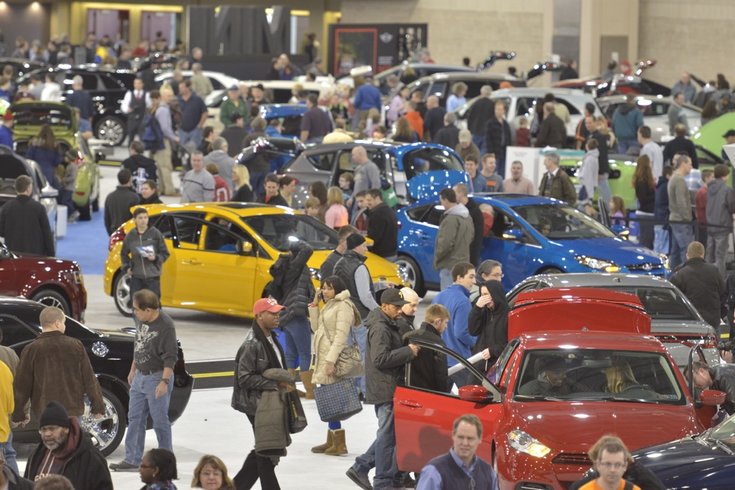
(490, 325)
(454, 238)
(720, 207)
(133, 249)
(589, 172)
(225, 163)
(626, 121)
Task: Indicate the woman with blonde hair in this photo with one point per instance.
(622, 381)
(336, 216)
(211, 474)
(241, 180)
(331, 325)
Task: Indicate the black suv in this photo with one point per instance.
(110, 352)
(107, 89)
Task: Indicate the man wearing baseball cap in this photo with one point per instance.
(6, 130)
(260, 351)
(384, 363)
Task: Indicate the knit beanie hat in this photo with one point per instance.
(354, 241)
(55, 414)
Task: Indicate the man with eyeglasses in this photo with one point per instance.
(610, 459)
(150, 378)
(460, 467)
(65, 449)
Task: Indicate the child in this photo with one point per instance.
(68, 183)
(312, 206)
(222, 192)
(346, 183)
(523, 135)
(617, 211)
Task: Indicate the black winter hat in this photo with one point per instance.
(55, 414)
(355, 240)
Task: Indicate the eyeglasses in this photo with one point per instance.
(611, 466)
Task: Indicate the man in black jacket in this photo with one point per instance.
(382, 226)
(429, 368)
(65, 449)
(497, 136)
(434, 118)
(478, 115)
(449, 134)
(327, 268)
(384, 363)
(119, 202)
(141, 167)
(24, 223)
(702, 284)
(478, 221)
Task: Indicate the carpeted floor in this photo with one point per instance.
(86, 242)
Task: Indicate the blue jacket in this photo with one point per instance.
(626, 121)
(661, 208)
(367, 97)
(6, 136)
(457, 336)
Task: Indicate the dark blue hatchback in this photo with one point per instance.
(528, 235)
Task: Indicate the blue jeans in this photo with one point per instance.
(479, 141)
(717, 251)
(624, 145)
(11, 460)
(193, 138)
(360, 334)
(298, 343)
(152, 283)
(382, 452)
(681, 236)
(143, 402)
(445, 279)
(660, 239)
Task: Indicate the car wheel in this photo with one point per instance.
(413, 274)
(50, 297)
(85, 212)
(110, 129)
(96, 205)
(107, 432)
(121, 294)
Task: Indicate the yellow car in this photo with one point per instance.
(221, 254)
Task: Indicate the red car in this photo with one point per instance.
(48, 280)
(554, 391)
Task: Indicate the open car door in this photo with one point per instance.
(423, 418)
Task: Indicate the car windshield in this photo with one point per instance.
(573, 374)
(562, 222)
(281, 230)
(662, 303)
(724, 433)
(430, 159)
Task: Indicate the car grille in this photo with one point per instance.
(645, 267)
(576, 459)
(532, 486)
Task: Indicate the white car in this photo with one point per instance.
(655, 110)
(220, 81)
(521, 102)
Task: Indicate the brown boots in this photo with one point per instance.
(308, 385)
(335, 445)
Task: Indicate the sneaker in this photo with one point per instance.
(360, 479)
(124, 466)
(73, 217)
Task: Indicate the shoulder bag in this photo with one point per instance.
(349, 363)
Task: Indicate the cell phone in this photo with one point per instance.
(321, 296)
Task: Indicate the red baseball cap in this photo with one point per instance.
(266, 304)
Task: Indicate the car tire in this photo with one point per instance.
(107, 433)
(121, 294)
(413, 271)
(110, 129)
(85, 212)
(49, 297)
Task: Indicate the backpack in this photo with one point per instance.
(278, 272)
(152, 133)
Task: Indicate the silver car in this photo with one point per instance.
(674, 320)
(655, 109)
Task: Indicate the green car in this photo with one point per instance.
(622, 169)
(30, 116)
(710, 137)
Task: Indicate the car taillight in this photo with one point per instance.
(710, 342)
(117, 236)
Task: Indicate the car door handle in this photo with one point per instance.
(191, 262)
(410, 403)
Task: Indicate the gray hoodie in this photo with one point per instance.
(136, 245)
(720, 207)
(225, 163)
(454, 238)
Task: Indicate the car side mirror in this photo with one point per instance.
(712, 398)
(244, 247)
(515, 234)
(474, 393)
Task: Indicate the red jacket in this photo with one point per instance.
(700, 205)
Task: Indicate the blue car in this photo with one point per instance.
(529, 235)
(703, 461)
(290, 116)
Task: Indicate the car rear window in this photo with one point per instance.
(662, 303)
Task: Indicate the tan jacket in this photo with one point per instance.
(334, 322)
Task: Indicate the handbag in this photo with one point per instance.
(349, 363)
(296, 416)
(337, 401)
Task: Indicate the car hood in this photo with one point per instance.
(13, 166)
(638, 424)
(428, 185)
(116, 334)
(686, 463)
(622, 252)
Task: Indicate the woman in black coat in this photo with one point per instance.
(488, 321)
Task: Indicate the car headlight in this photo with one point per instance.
(597, 264)
(522, 442)
(315, 274)
(664, 260)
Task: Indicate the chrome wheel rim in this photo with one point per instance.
(122, 293)
(409, 270)
(111, 131)
(103, 431)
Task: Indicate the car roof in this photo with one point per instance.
(601, 279)
(591, 340)
(538, 92)
(513, 200)
(470, 75)
(238, 208)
